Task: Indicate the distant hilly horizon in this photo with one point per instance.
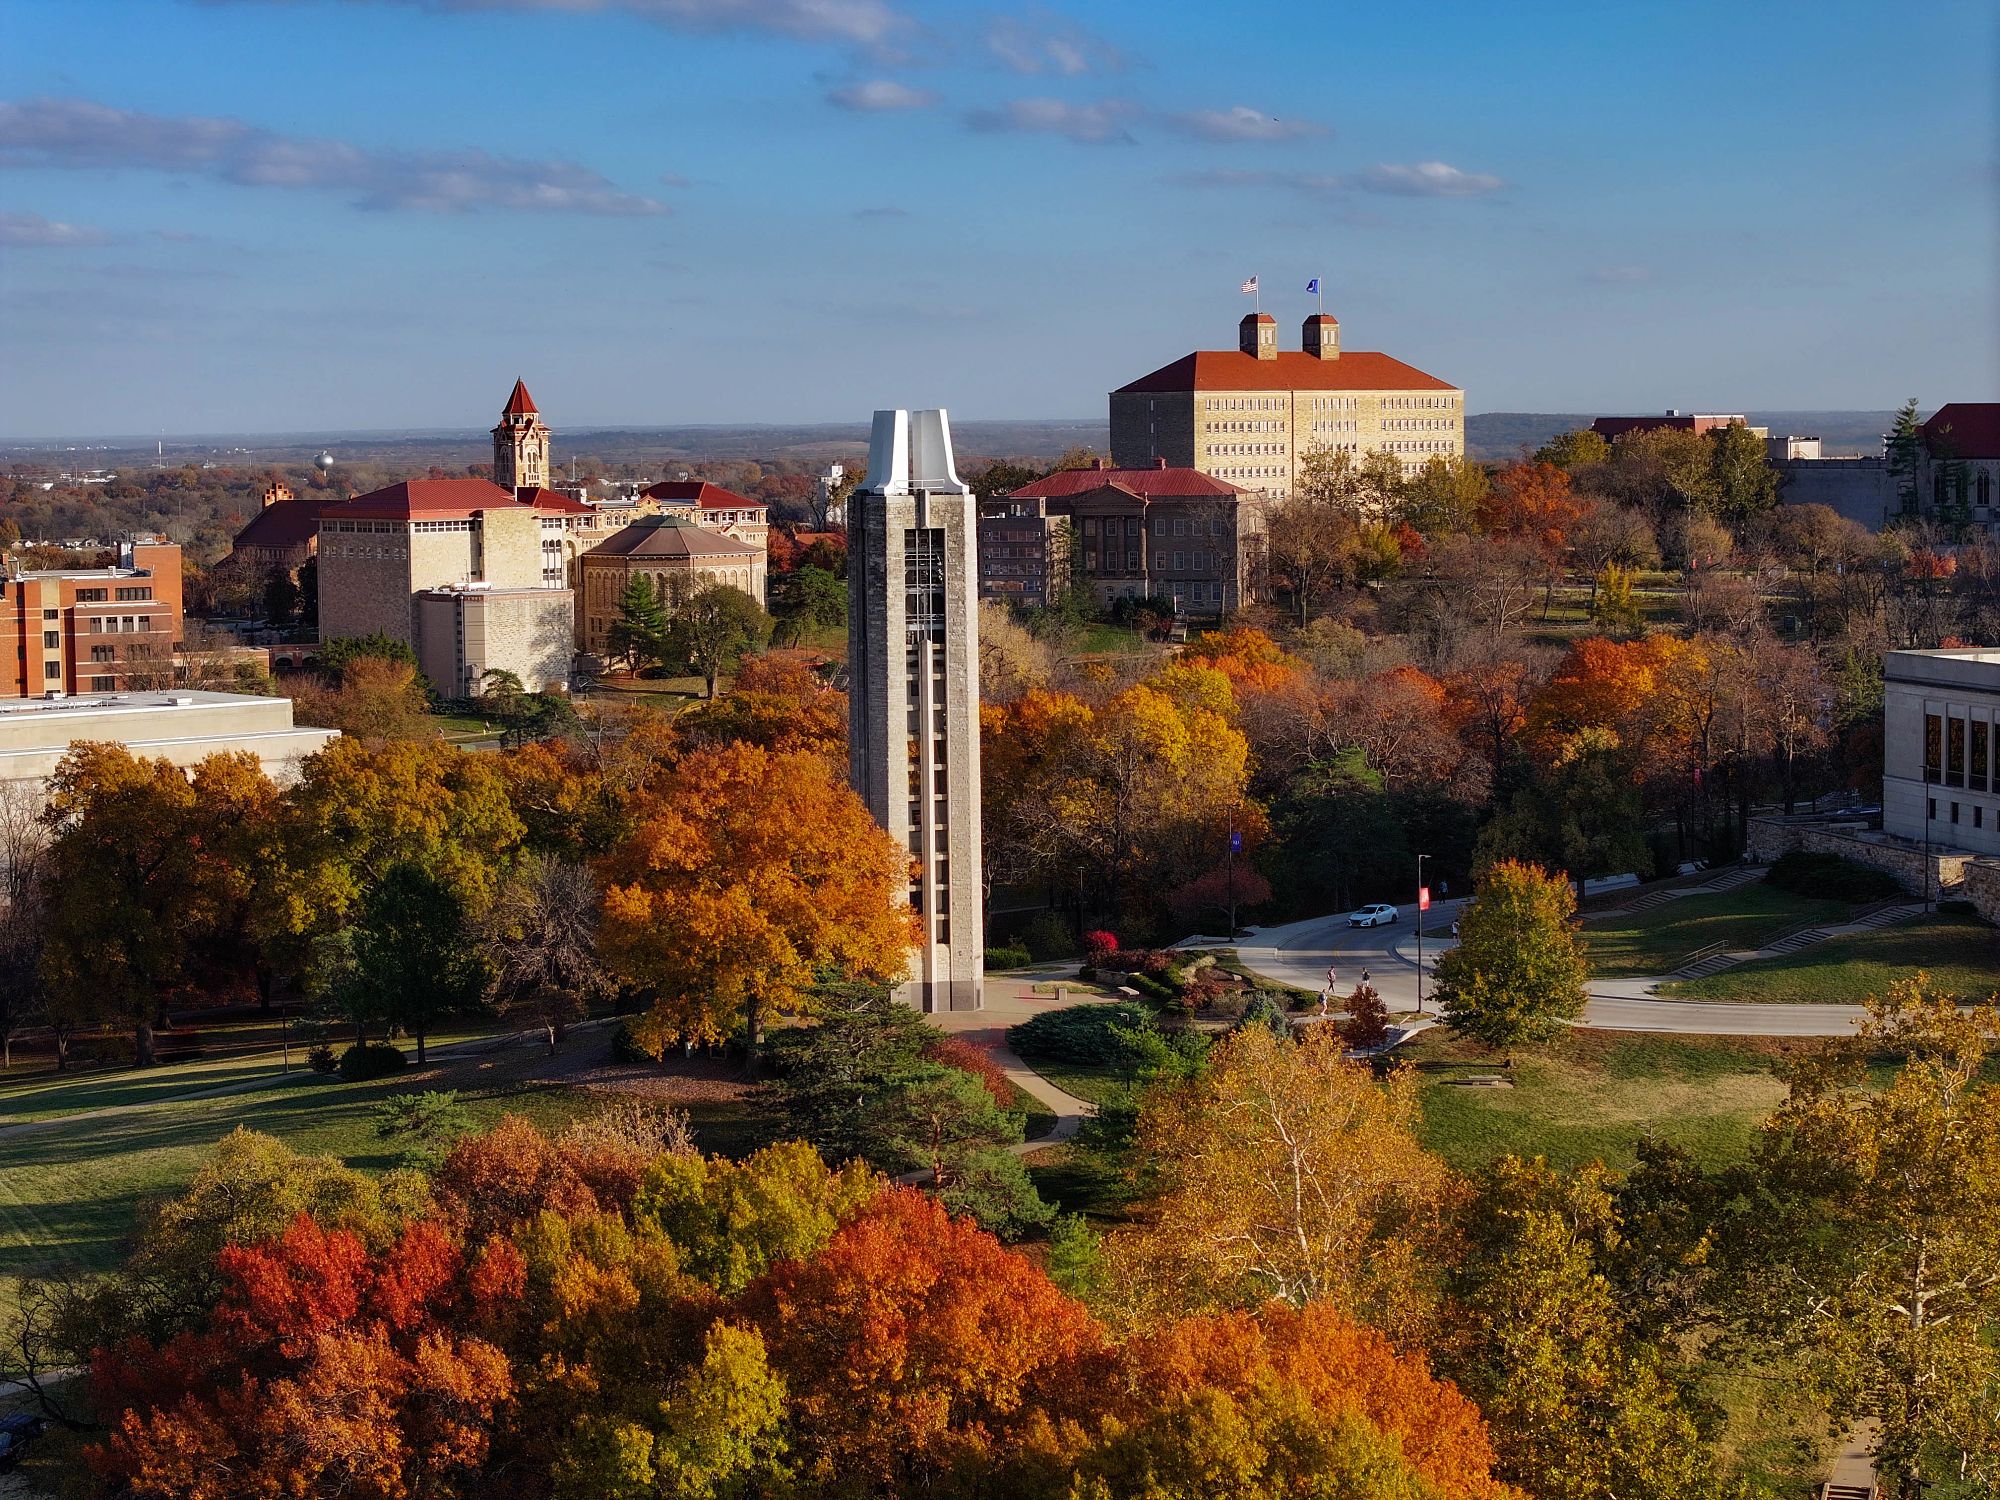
(1489, 436)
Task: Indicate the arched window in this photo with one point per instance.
(1985, 487)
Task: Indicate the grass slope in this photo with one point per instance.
(1960, 954)
(1597, 1095)
(1659, 940)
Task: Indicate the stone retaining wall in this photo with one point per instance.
(1948, 868)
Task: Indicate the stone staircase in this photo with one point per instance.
(1846, 1492)
(1727, 880)
(1882, 914)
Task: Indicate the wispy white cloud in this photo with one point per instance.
(880, 96)
(1426, 179)
(1038, 42)
(1243, 123)
(1619, 275)
(882, 211)
(33, 232)
(864, 22)
(1101, 124)
(79, 133)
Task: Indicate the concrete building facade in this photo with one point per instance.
(913, 663)
(670, 553)
(1160, 532)
(181, 727)
(1955, 479)
(1940, 736)
(92, 630)
(1251, 415)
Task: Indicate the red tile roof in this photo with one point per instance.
(433, 499)
(1292, 370)
(1150, 484)
(520, 404)
(667, 536)
(700, 492)
(283, 524)
(1965, 429)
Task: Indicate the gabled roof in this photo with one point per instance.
(520, 403)
(1148, 484)
(669, 536)
(1292, 370)
(283, 524)
(700, 492)
(436, 499)
(1964, 429)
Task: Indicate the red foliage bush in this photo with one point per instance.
(957, 1052)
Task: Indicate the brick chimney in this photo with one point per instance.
(1321, 336)
(1257, 335)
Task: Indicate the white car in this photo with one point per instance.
(1381, 914)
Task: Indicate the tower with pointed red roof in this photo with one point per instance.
(521, 444)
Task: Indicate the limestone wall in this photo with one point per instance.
(1771, 838)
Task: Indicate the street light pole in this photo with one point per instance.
(1420, 932)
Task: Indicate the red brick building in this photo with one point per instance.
(92, 630)
(1699, 423)
(1156, 532)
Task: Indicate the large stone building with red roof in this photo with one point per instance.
(1156, 532)
(713, 506)
(473, 573)
(1251, 414)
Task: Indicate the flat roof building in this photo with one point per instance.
(181, 727)
(92, 630)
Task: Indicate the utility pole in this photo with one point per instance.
(1229, 864)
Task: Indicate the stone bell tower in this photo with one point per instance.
(521, 444)
(913, 694)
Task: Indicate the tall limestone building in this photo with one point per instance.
(1251, 414)
(913, 663)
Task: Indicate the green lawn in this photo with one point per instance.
(1661, 939)
(1960, 954)
(1082, 1080)
(1596, 1095)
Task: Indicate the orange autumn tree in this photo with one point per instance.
(1283, 1402)
(746, 874)
(1534, 502)
(912, 1344)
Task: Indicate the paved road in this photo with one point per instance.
(1299, 953)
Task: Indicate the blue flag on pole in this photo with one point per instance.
(1313, 285)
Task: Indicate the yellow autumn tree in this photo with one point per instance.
(747, 873)
(1284, 1171)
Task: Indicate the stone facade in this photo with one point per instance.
(913, 662)
(1772, 838)
(463, 633)
(1940, 740)
(1251, 416)
(672, 555)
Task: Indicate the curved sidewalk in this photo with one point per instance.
(1010, 998)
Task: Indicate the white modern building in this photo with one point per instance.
(1940, 732)
(183, 727)
(913, 663)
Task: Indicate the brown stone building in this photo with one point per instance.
(669, 552)
(1699, 423)
(1251, 415)
(1162, 532)
(92, 630)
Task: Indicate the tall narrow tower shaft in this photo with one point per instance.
(913, 667)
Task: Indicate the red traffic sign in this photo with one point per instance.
(1423, 898)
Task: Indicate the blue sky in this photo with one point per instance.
(265, 215)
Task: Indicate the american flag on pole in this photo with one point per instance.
(1250, 287)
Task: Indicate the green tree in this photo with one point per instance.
(1582, 813)
(1874, 1237)
(712, 627)
(1518, 971)
(335, 656)
(820, 597)
(1574, 450)
(414, 954)
(426, 1124)
(1745, 484)
(1338, 836)
(281, 597)
(1579, 1408)
(639, 632)
(1908, 456)
(1442, 498)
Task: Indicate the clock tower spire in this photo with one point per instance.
(521, 444)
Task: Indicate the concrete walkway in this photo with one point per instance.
(1011, 998)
